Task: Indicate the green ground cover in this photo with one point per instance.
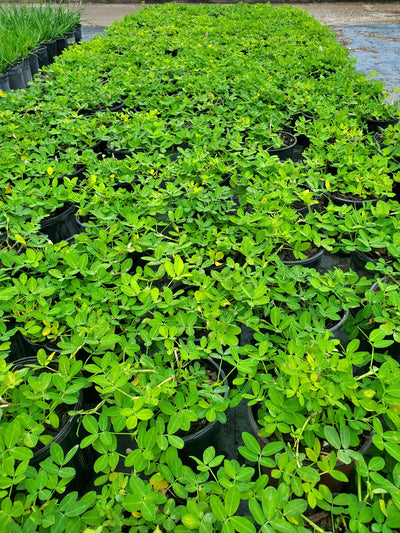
(172, 252)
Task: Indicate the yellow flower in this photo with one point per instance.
(50, 171)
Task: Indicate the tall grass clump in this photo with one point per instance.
(24, 27)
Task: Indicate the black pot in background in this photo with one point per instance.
(333, 484)
(42, 56)
(358, 261)
(16, 77)
(69, 37)
(21, 347)
(115, 108)
(67, 438)
(79, 172)
(61, 44)
(118, 154)
(376, 125)
(357, 204)
(313, 261)
(51, 47)
(78, 33)
(26, 71)
(286, 152)
(393, 350)
(33, 63)
(4, 82)
(63, 225)
(210, 434)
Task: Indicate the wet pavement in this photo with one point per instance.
(376, 48)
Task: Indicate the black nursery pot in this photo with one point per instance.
(63, 225)
(78, 33)
(286, 152)
(69, 37)
(118, 154)
(4, 82)
(61, 44)
(33, 63)
(376, 125)
(21, 347)
(358, 261)
(26, 71)
(114, 108)
(42, 56)
(210, 434)
(357, 204)
(67, 438)
(16, 78)
(313, 261)
(51, 47)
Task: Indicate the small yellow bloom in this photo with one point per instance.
(50, 171)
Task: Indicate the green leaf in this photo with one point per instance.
(190, 521)
(295, 507)
(376, 463)
(76, 508)
(256, 511)
(218, 508)
(309, 474)
(275, 316)
(232, 500)
(13, 434)
(208, 455)
(149, 510)
(90, 423)
(21, 454)
(56, 453)
(242, 524)
(251, 443)
(176, 442)
(270, 501)
(272, 448)
(332, 436)
(393, 450)
(178, 265)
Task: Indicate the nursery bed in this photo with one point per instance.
(188, 197)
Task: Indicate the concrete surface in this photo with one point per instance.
(335, 13)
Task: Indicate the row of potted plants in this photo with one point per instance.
(155, 264)
(35, 35)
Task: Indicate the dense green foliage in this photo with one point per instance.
(179, 258)
(24, 27)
